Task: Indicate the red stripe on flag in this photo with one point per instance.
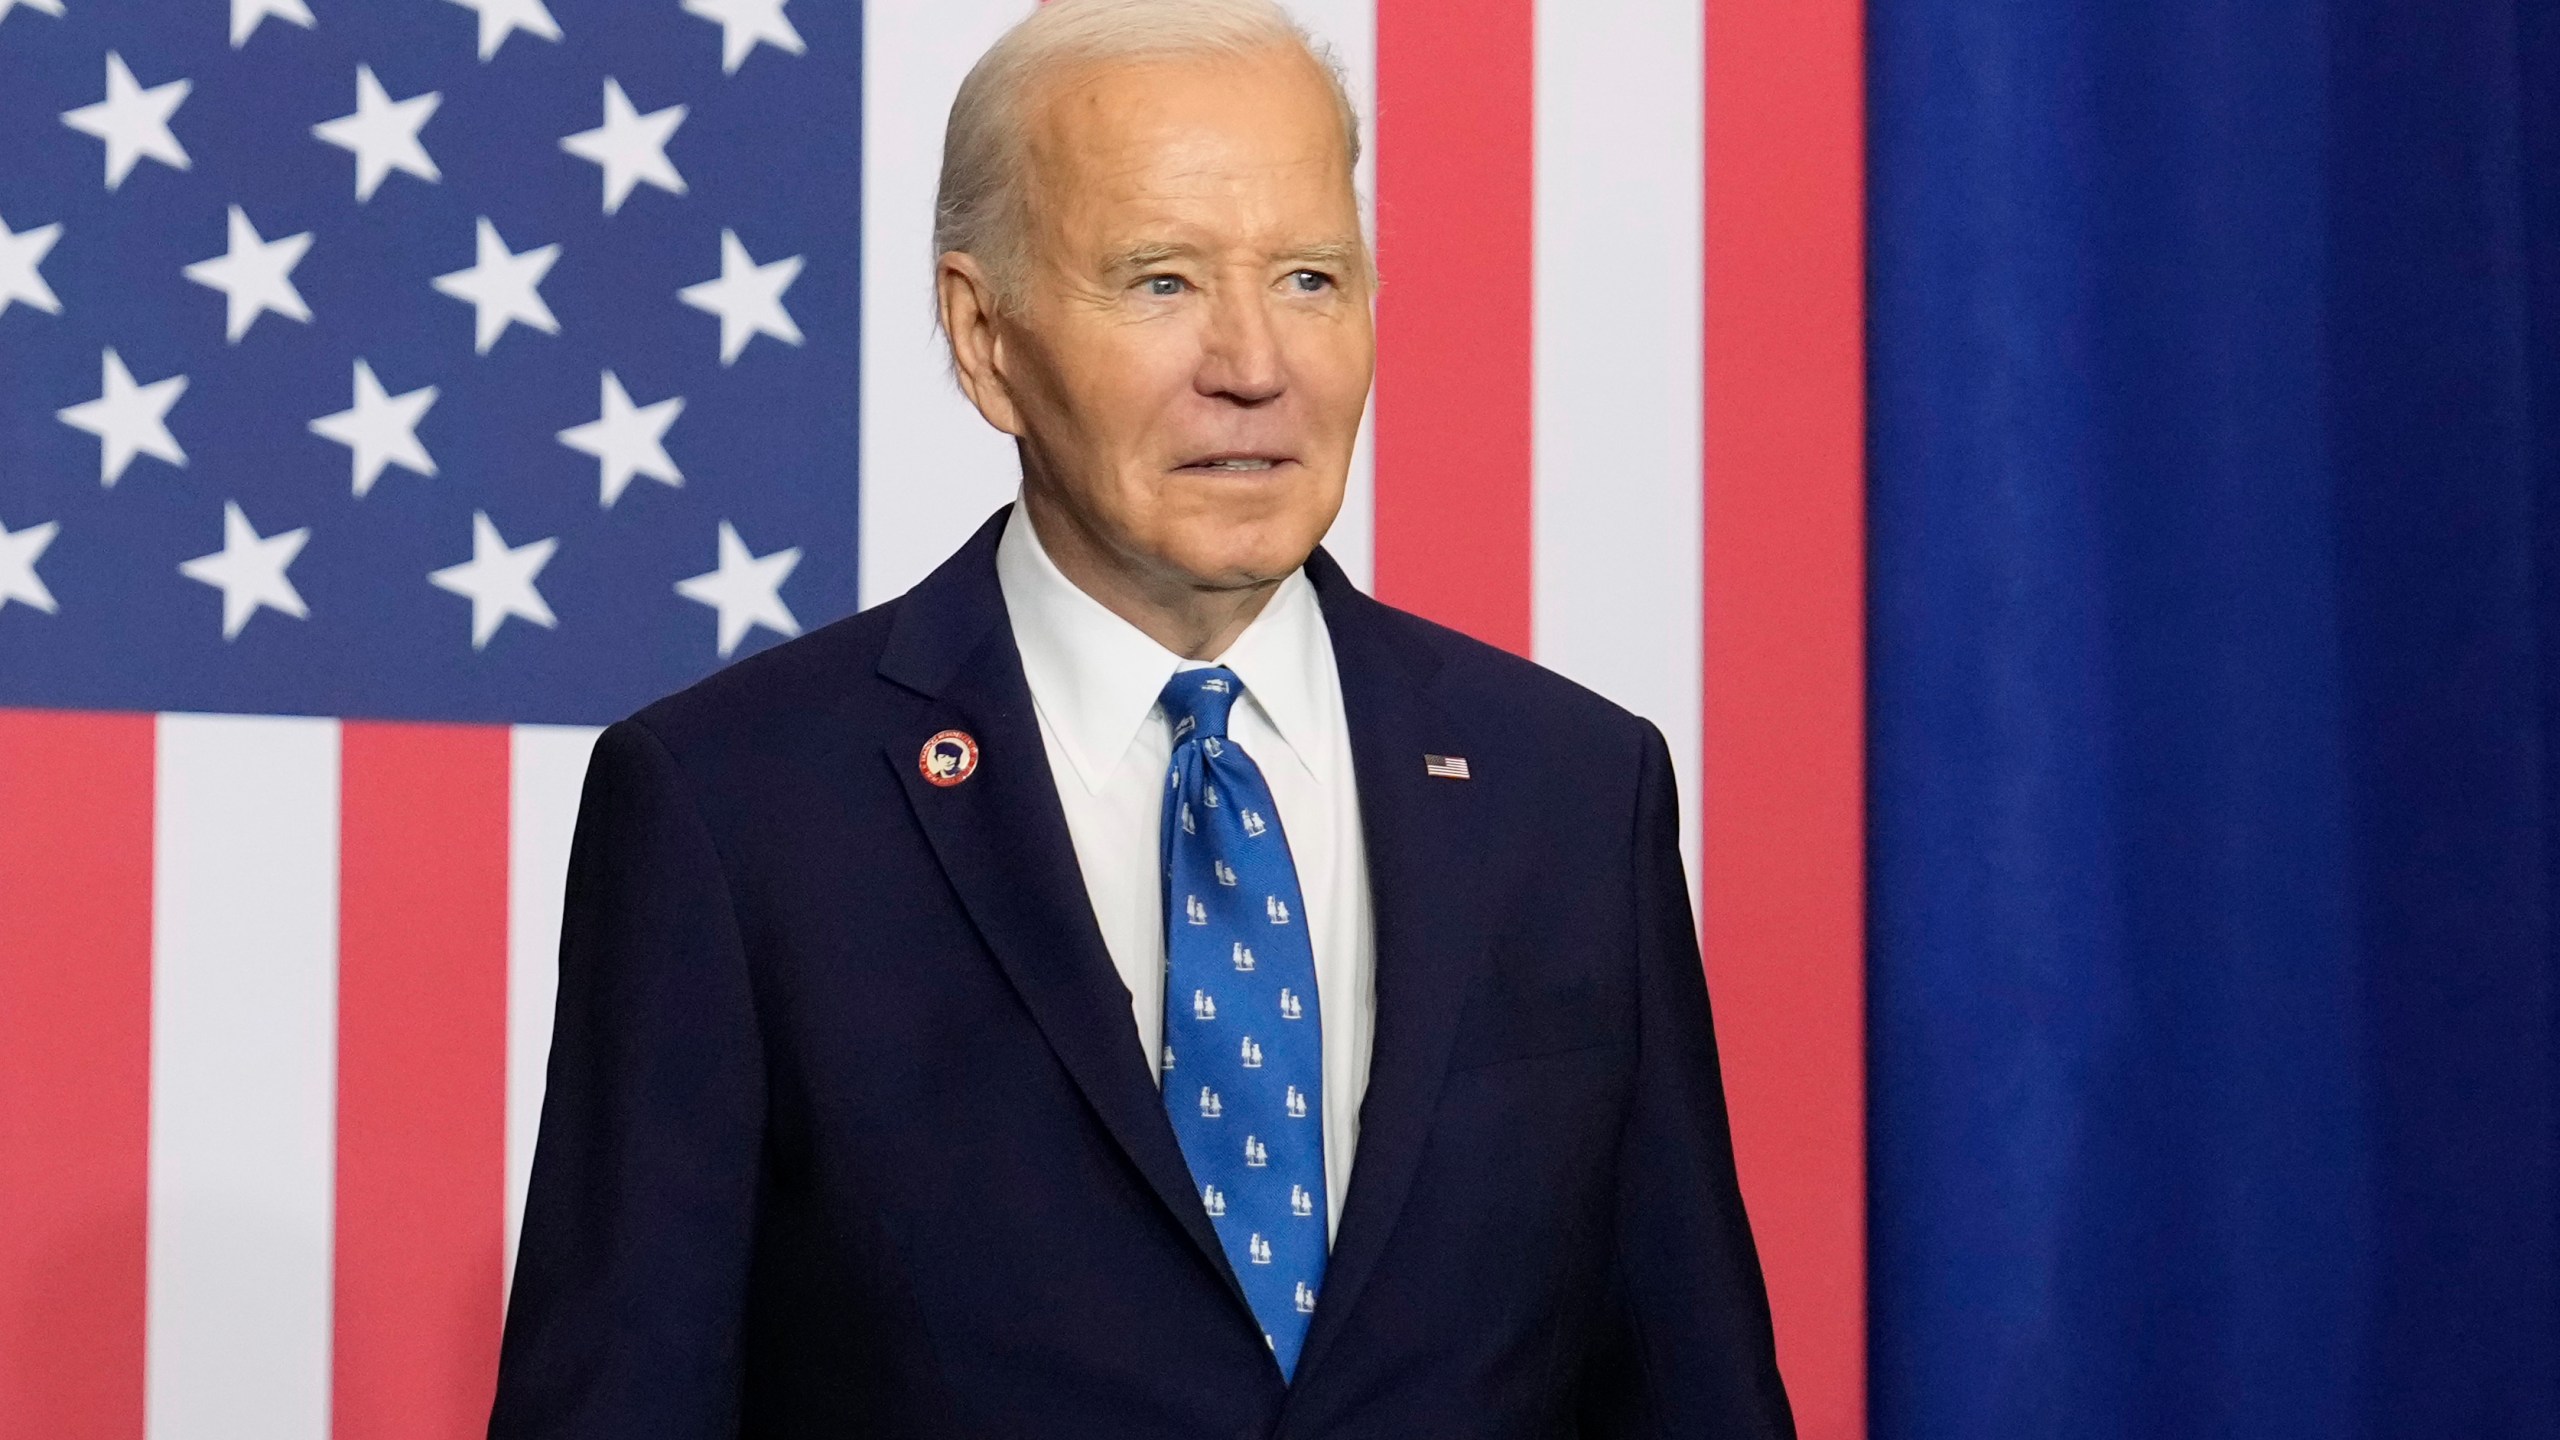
(422, 1063)
(1784, 867)
(75, 1071)
(1455, 234)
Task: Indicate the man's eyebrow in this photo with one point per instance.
(1145, 255)
(1332, 254)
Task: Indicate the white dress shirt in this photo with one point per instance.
(1094, 682)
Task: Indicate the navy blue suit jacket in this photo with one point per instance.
(849, 1133)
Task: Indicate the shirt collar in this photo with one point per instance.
(1095, 677)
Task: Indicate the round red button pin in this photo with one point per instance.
(948, 758)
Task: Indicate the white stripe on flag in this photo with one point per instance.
(1351, 28)
(1617, 496)
(547, 769)
(931, 468)
(243, 1078)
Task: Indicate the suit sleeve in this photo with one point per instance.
(1685, 1350)
(629, 1292)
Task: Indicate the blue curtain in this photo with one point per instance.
(2215, 634)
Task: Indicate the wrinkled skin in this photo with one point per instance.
(1188, 347)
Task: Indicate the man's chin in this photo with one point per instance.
(1242, 575)
(1240, 561)
(1240, 545)
(1237, 570)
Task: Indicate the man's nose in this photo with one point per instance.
(1240, 359)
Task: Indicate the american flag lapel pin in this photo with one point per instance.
(1446, 767)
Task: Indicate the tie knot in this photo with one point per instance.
(1196, 702)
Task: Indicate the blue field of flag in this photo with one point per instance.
(488, 361)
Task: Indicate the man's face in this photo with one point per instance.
(1192, 345)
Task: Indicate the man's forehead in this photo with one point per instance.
(1302, 196)
(1195, 119)
(1193, 187)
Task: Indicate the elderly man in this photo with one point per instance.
(1136, 985)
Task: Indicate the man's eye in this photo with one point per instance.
(1310, 282)
(1163, 284)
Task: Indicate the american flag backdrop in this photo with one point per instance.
(392, 391)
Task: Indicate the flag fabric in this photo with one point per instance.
(420, 326)
(385, 393)
(393, 392)
(278, 1004)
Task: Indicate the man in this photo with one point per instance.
(1136, 985)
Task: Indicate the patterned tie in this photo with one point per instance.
(1243, 1055)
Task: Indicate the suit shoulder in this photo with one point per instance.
(826, 678)
(1549, 753)
(1550, 711)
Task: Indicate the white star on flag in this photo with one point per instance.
(627, 440)
(745, 22)
(631, 147)
(245, 15)
(128, 419)
(133, 121)
(746, 590)
(47, 7)
(249, 571)
(501, 18)
(254, 276)
(747, 297)
(20, 253)
(381, 429)
(500, 288)
(19, 552)
(498, 580)
(383, 134)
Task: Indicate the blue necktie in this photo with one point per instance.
(1243, 1054)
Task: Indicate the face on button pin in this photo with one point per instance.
(948, 758)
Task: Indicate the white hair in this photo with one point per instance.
(979, 210)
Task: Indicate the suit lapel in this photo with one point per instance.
(1001, 837)
(1424, 866)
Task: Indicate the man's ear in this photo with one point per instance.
(969, 321)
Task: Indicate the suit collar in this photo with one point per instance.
(941, 622)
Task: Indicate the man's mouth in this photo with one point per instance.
(1236, 464)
